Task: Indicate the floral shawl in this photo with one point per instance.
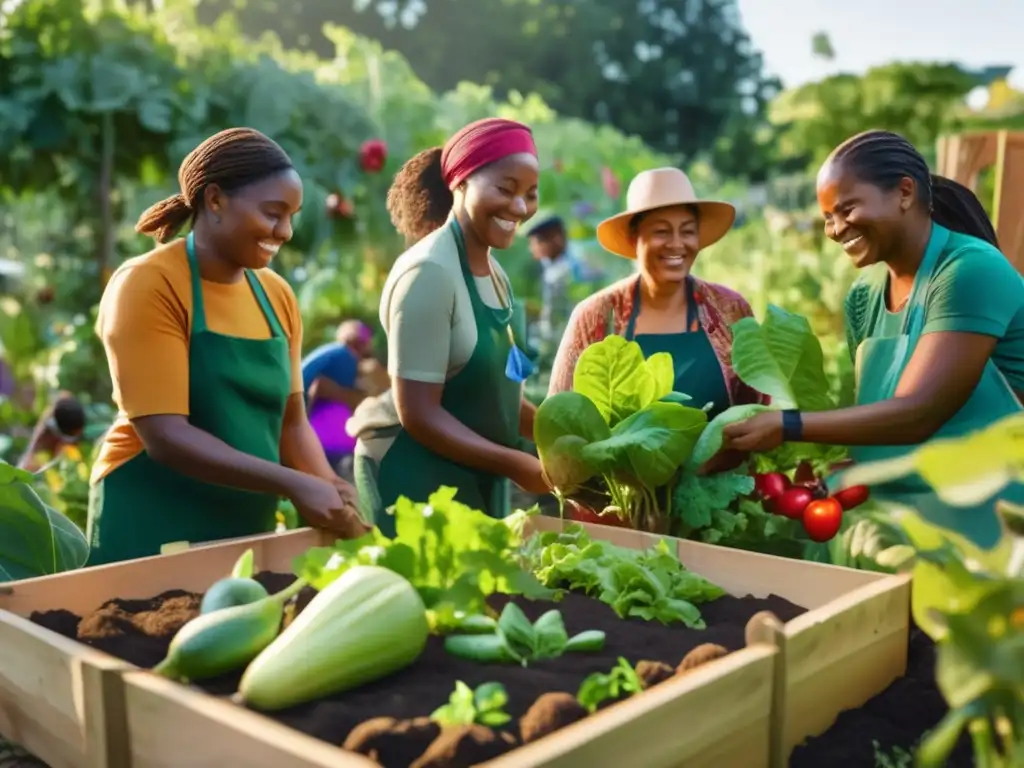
(608, 311)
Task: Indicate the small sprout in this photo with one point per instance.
(700, 656)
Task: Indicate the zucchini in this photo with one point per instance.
(214, 644)
(230, 592)
(365, 625)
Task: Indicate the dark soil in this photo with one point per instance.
(897, 717)
(139, 631)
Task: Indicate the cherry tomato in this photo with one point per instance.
(822, 519)
(793, 502)
(853, 496)
(771, 485)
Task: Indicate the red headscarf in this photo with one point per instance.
(482, 143)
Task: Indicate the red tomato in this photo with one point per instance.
(822, 519)
(771, 485)
(793, 502)
(853, 496)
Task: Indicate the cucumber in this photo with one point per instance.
(214, 644)
(368, 623)
(230, 592)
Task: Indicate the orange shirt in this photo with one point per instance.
(145, 321)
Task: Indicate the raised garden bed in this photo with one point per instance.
(743, 709)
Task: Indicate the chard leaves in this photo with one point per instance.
(782, 357)
(616, 378)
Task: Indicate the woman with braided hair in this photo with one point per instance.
(204, 348)
(452, 329)
(935, 325)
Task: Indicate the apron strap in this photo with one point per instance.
(261, 298)
(913, 321)
(198, 310)
(692, 316)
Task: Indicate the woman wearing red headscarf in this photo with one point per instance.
(448, 312)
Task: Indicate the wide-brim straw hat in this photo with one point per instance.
(661, 188)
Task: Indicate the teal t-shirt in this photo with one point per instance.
(974, 289)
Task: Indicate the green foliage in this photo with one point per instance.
(35, 540)
(916, 99)
(646, 69)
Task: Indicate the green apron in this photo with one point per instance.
(880, 363)
(697, 370)
(481, 397)
(238, 389)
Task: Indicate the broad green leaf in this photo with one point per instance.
(563, 425)
(615, 377)
(649, 445)
(710, 441)
(782, 358)
(35, 540)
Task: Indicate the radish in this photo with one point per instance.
(771, 485)
(852, 497)
(793, 502)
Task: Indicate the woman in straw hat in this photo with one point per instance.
(664, 308)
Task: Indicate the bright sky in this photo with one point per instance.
(866, 33)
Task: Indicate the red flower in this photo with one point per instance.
(610, 182)
(372, 155)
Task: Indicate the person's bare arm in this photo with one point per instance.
(938, 380)
(172, 441)
(426, 421)
(527, 412)
(300, 447)
(323, 388)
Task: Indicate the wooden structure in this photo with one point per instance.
(963, 156)
(78, 708)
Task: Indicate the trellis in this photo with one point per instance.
(962, 157)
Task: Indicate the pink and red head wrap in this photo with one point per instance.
(481, 143)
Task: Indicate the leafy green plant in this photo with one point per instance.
(620, 423)
(35, 540)
(648, 584)
(483, 706)
(454, 555)
(780, 357)
(515, 638)
(599, 687)
(970, 600)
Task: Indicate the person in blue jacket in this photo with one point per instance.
(330, 376)
(935, 325)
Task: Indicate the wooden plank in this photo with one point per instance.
(195, 569)
(219, 733)
(58, 697)
(725, 706)
(841, 655)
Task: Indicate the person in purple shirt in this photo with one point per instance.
(330, 377)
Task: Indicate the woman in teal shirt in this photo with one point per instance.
(936, 325)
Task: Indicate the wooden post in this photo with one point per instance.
(962, 157)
